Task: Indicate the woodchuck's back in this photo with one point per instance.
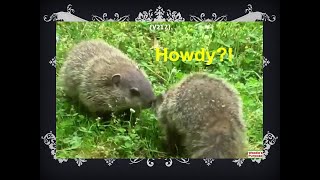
(78, 58)
(208, 112)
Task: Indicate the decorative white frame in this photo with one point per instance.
(160, 16)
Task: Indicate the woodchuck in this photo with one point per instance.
(202, 118)
(104, 79)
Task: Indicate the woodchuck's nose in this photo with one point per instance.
(148, 105)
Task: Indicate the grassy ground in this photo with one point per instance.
(80, 136)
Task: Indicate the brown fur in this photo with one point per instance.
(101, 77)
(202, 116)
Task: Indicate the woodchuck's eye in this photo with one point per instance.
(135, 91)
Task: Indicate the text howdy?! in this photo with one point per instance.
(198, 55)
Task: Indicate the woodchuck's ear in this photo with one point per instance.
(116, 79)
(157, 101)
(160, 98)
(135, 91)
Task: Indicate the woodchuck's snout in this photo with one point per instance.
(202, 118)
(138, 94)
(104, 79)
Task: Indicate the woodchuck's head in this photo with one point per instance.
(135, 88)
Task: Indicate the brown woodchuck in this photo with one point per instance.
(104, 79)
(202, 118)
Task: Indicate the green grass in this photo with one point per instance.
(80, 136)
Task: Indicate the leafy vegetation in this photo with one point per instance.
(80, 136)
